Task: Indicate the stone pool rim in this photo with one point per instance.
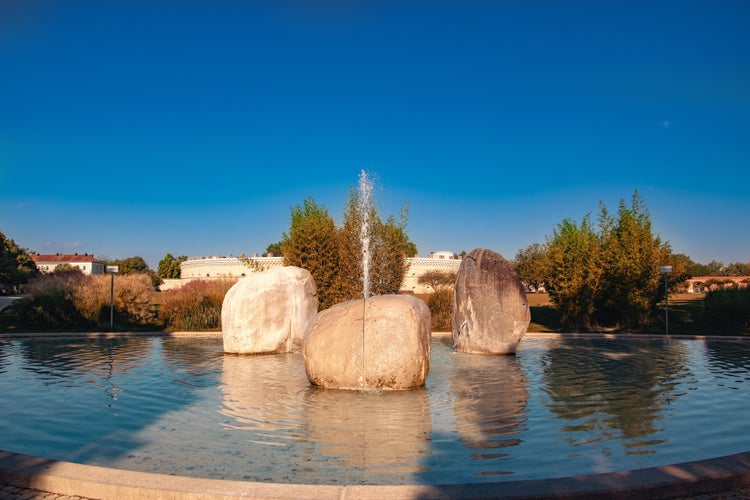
(711, 475)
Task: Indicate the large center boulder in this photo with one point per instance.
(382, 342)
(489, 313)
(268, 312)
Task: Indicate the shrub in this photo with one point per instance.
(133, 297)
(48, 304)
(195, 306)
(71, 300)
(728, 308)
(439, 304)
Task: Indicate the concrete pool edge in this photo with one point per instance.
(720, 474)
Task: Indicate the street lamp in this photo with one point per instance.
(112, 270)
(666, 270)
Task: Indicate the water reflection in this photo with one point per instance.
(609, 391)
(270, 400)
(730, 360)
(490, 400)
(381, 432)
(264, 395)
(560, 407)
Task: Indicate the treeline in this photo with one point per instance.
(605, 275)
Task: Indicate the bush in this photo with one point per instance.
(133, 297)
(48, 304)
(439, 304)
(728, 308)
(71, 300)
(196, 306)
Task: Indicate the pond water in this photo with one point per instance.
(560, 407)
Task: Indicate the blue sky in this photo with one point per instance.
(141, 128)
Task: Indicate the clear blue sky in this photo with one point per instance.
(141, 128)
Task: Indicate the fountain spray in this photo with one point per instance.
(365, 209)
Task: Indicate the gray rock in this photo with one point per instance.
(389, 349)
(268, 312)
(489, 313)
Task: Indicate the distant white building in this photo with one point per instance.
(86, 263)
(442, 254)
(219, 267)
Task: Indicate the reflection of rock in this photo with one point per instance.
(380, 432)
(264, 395)
(268, 312)
(396, 351)
(490, 313)
(490, 402)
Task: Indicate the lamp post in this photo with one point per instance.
(666, 270)
(112, 270)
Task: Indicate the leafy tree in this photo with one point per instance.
(737, 269)
(435, 279)
(610, 278)
(16, 265)
(66, 268)
(631, 256)
(334, 255)
(274, 249)
(530, 265)
(681, 272)
(312, 244)
(574, 271)
(713, 268)
(389, 246)
(136, 265)
(169, 266)
(390, 249)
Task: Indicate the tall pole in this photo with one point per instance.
(666, 270)
(111, 301)
(666, 304)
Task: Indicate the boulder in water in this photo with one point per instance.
(382, 342)
(489, 313)
(268, 312)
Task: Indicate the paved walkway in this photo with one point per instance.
(14, 493)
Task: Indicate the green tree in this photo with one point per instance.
(274, 249)
(312, 244)
(631, 256)
(737, 269)
(169, 266)
(435, 279)
(334, 255)
(531, 265)
(713, 268)
(136, 265)
(681, 267)
(16, 265)
(389, 247)
(574, 271)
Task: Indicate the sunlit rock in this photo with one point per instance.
(490, 313)
(379, 343)
(268, 312)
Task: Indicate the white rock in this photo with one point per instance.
(268, 312)
(388, 349)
